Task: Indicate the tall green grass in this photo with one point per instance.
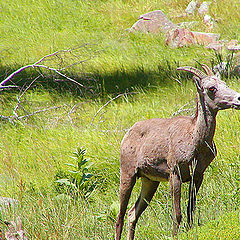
(32, 29)
(35, 149)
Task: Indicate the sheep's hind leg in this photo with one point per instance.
(127, 183)
(148, 189)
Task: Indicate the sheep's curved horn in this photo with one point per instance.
(193, 70)
(207, 69)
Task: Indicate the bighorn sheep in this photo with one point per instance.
(172, 149)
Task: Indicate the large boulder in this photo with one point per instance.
(181, 37)
(153, 22)
(203, 38)
(176, 36)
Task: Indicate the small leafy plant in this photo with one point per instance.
(76, 181)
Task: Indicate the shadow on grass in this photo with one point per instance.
(123, 80)
(96, 83)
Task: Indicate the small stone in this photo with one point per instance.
(191, 7)
(209, 21)
(232, 42)
(207, 18)
(234, 48)
(204, 8)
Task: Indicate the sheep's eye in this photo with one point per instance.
(212, 89)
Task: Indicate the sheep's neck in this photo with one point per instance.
(205, 121)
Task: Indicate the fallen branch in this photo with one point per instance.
(21, 95)
(99, 110)
(38, 64)
(59, 73)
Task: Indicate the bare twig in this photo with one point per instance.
(4, 118)
(59, 73)
(21, 95)
(13, 74)
(99, 110)
(38, 64)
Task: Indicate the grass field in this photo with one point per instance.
(35, 150)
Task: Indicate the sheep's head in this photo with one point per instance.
(217, 95)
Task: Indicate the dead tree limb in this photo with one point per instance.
(39, 64)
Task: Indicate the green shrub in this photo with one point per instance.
(77, 180)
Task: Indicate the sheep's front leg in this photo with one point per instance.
(193, 190)
(175, 187)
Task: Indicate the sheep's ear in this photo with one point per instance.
(195, 71)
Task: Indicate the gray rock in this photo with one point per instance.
(203, 38)
(153, 22)
(235, 48)
(180, 37)
(209, 21)
(204, 8)
(183, 37)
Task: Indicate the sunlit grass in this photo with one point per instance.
(33, 152)
(36, 148)
(32, 29)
